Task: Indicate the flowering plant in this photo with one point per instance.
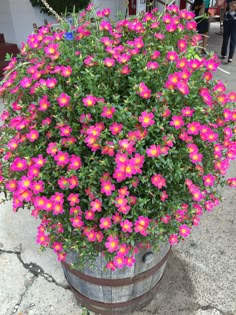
(115, 135)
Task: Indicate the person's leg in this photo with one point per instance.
(226, 36)
(232, 39)
(204, 40)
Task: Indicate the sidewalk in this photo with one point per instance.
(200, 277)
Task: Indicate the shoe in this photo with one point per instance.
(230, 60)
(222, 57)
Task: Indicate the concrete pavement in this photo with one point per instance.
(200, 277)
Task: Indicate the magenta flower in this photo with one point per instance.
(173, 239)
(105, 223)
(209, 180)
(108, 112)
(109, 62)
(19, 165)
(107, 187)
(66, 71)
(177, 122)
(77, 222)
(33, 135)
(130, 261)
(51, 49)
(194, 128)
(195, 157)
(141, 225)
(89, 100)
(26, 82)
(112, 244)
(62, 158)
(126, 226)
(146, 119)
(119, 262)
(158, 181)
(57, 247)
(184, 230)
(172, 56)
(63, 100)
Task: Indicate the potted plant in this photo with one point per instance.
(118, 138)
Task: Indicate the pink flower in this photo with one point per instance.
(141, 225)
(110, 266)
(177, 122)
(51, 49)
(33, 135)
(65, 130)
(37, 187)
(77, 222)
(172, 56)
(158, 181)
(66, 71)
(107, 187)
(171, 27)
(74, 162)
(231, 182)
(57, 247)
(108, 112)
(19, 164)
(26, 82)
(153, 65)
(182, 44)
(123, 250)
(61, 158)
(52, 148)
(119, 262)
(89, 215)
(126, 226)
(195, 157)
(194, 128)
(211, 64)
(130, 261)
(166, 219)
(63, 100)
(164, 196)
(109, 62)
(105, 223)
(73, 199)
(51, 83)
(173, 239)
(184, 230)
(182, 86)
(115, 128)
(187, 111)
(146, 119)
(96, 205)
(89, 100)
(11, 185)
(209, 180)
(112, 244)
(153, 151)
(61, 256)
(44, 103)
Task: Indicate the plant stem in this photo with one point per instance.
(59, 18)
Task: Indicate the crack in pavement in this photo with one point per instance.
(35, 269)
(209, 307)
(28, 284)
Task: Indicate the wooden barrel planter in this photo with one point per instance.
(117, 292)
